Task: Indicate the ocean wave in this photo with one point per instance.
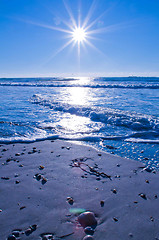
(86, 138)
(133, 121)
(90, 85)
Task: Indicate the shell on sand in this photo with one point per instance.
(87, 219)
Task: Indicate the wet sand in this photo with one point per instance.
(44, 184)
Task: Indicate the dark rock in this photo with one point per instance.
(98, 178)
(70, 200)
(88, 237)
(89, 231)
(11, 237)
(115, 219)
(41, 167)
(8, 160)
(147, 169)
(130, 235)
(87, 219)
(38, 176)
(17, 154)
(44, 180)
(4, 150)
(143, 196)
(33, 227)
(22, 207)
(114, 191)
(16, 233)
(5, 178)
(28, 232)
(102, 203)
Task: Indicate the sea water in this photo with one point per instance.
(117, 115)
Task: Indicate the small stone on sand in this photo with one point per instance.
(11, 237)
(115, 219)
(89, 231)
(17, 154)
(143, 196)
(70, 200)
(41, 167)
(44, 180)
(88, 237)
(114, 191)
(102, 203)
(16, 233)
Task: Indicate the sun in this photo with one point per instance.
(79, 34)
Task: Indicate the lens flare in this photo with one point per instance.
(79, 34)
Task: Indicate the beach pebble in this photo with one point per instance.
(33, 227)
(115, 219)
(8, 160)
(143, 196)
(11, 237)
(98, 178)
(0, 210)
(102, 203)
(17, 181)
(28, 232)
(5, 178)
(21, 208)
(151, 218)
(88, 237)
(130, 235)
(44, 180)
(37, 176)
(17, 154)
(16, 233)
(4, 150)
(87, 219)
(114, 191)
(70, 200)
(147, 169)
(89, 231)
(41, 167)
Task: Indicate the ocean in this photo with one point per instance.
(119, 115)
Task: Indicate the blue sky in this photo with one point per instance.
(124, 39)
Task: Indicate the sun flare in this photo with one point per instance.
(79, 34)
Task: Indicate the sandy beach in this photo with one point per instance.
(44, 186)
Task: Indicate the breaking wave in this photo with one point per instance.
(133, 121)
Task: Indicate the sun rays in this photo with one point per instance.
(79, 31)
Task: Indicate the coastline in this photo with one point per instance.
(37, 179)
